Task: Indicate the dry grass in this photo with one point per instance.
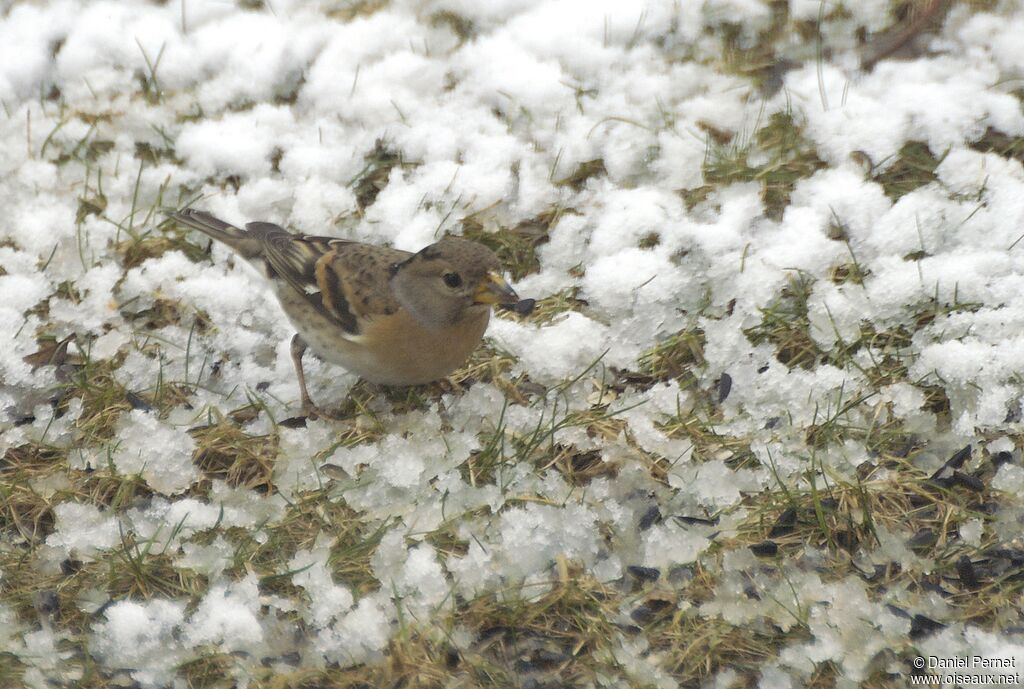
(914, 167)
(788, 157)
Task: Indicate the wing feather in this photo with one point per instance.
(304, 263)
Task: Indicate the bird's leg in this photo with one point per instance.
(298, 349)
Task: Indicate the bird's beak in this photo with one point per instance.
(494, 290)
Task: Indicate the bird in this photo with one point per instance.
(392, 317)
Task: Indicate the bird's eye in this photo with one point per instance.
(453, 280)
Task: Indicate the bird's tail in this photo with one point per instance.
(238, 239)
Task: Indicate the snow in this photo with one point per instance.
(548, 463)
(83, 529)
(162, 455)
(313, 574)
(228, 616)
(237, 143)
(141, 635)
(553, 352)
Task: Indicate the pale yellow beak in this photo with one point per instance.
(494, 290)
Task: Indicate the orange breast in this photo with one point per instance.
(391, 350)
(397, 350)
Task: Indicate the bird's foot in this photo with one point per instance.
(311, 411)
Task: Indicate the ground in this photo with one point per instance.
(763, 427)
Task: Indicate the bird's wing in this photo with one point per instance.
(305, 263)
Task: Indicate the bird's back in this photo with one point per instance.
(341, 279)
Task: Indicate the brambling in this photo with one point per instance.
(390, 316)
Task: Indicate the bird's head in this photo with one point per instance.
(450, 279)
